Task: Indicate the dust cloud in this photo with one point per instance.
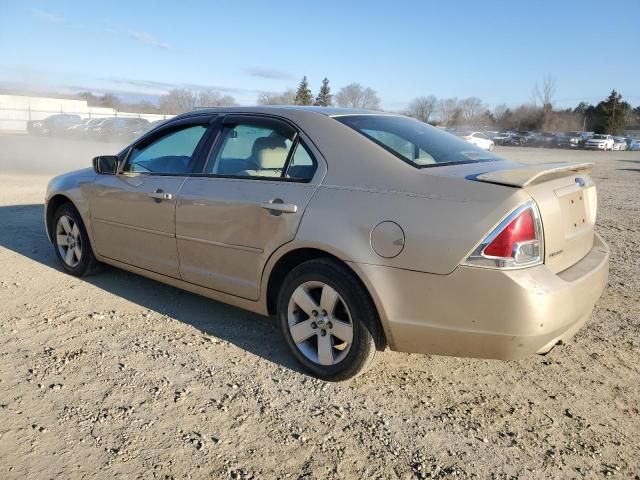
(50, 156)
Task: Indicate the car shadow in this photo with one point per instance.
(629, 169)
(24, 234)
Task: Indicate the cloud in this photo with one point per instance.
(148, 39)
(265, 72)
(47, 16)
(163, 87)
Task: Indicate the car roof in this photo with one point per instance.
(285, 110)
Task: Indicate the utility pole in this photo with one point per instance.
(613, 116)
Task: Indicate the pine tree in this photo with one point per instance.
(303, 95)
(613, 114)
(324, 96)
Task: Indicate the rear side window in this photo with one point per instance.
(415, 142)
(252, 151)
(303, 164)
(261, 149)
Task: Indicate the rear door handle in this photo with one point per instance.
(278, 207)
(160, 195)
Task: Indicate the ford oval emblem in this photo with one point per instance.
(580, 182)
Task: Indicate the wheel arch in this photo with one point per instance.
(52, 207)
(54, 203)
(293, 257)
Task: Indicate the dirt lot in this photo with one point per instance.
(119, 376)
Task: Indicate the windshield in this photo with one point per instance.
(415, 142)
(599, 137)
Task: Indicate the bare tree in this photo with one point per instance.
(355, 95)
(287, 97)
(545, 95)
(546, 92)
(422, 108)
(499, 113)
(471, 108)
(178, 100)
(212, 98)
(448, 109)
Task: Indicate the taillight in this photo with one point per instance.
(516, 242)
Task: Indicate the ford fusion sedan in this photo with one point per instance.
(358, 230)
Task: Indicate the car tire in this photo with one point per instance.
(75, 253)
(321, 306)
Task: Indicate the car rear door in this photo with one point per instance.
(133, 212)
(247, 201)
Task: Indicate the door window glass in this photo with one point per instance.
(171, 153)
(303, 164)
(252, 151)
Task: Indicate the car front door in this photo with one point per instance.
(133, 212)
(247, 202)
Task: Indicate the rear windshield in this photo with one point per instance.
(415, 142)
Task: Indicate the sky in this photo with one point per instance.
(495, 50)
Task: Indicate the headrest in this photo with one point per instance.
(269, 152)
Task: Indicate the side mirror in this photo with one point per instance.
(106, 164)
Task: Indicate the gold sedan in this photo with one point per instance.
(359, 230)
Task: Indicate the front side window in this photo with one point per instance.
(169, 154)
(415, 142)
(248, 150)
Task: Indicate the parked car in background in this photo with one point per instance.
(502, 138)
(599, 142)
(53, 125)
(525, 138)
(619, 143)
(455, 262)
(478, 139)
(569, 140)
(93, 127)
(546, 140)
(120, 129)
(634, 144)
(75, 129)
(131, 129)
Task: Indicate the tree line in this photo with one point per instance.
(353, 95)
(612, 115)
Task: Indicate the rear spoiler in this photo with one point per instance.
(528, 174)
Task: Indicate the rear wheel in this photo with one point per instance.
(71, 242)
(328, 320)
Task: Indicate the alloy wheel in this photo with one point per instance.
(320, 323)
(69, 241)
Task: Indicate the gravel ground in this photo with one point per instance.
(120, 376)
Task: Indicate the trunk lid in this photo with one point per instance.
(567, 200)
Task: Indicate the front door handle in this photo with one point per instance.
(278, 207)
(160, 195)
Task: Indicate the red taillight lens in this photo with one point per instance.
(521, 229)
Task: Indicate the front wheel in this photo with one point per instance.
(71, 242)
(328, 320)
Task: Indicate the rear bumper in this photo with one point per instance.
(483, 313)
